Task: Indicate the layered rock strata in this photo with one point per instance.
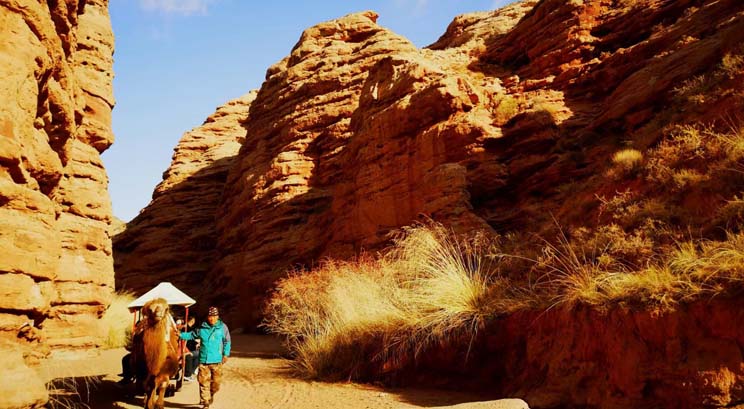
(507, 123)
(357, 132)
(56, 269)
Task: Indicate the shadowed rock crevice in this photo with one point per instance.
(174, 238)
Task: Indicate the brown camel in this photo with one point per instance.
(158, 353)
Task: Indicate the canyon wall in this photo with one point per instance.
(623, 357)
(56, 268)
(509, 120)
(301, 188)
(508, 123)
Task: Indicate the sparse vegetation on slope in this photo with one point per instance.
(344, 319)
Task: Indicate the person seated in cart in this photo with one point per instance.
(132, 337)
(191, 355)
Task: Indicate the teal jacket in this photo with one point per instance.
(215, 341)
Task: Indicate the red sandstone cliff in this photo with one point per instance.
(508, 121)
(292, 196)
(357, 133)
(56, 269)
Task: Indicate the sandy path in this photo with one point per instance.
(253, 378)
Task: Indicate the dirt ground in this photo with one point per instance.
(255, 377)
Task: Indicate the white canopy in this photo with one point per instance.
(173, 295)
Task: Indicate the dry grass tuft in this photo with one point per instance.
(71, 392)
(507, 107)
(430, 285)
(682, 272)
(628, 160)
(117, 321)
(732, 65)
(699, 156)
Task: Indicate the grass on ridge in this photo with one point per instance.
(433, 287)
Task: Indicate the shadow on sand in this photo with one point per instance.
(96, 392)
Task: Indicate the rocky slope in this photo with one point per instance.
(56, 270)
(508, 123)
(625, 358)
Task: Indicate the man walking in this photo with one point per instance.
(215, 348)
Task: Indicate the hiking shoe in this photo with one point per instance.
(188, 379)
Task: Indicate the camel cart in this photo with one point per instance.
(173, 296)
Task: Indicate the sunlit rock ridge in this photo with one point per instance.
(507, 123)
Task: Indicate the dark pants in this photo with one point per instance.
(126, 367)
(192, 362)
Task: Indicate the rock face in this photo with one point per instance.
(357, 133)
(507, 123)
(174, 238)
(56, 269)
(622, 358)
(24, 389)
(690, 357)
(292, 196)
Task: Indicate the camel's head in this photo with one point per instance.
(155, 310)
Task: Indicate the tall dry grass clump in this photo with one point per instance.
(442, 278)
(627, 161)
(117, 321)
(336, 318)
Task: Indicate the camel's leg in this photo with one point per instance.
(162, 385)
(152, 401)
(148, 389)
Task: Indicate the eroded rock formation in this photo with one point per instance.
(56, 269)
(507, 123)
(357, 132)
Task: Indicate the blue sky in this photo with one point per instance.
(178, 60)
